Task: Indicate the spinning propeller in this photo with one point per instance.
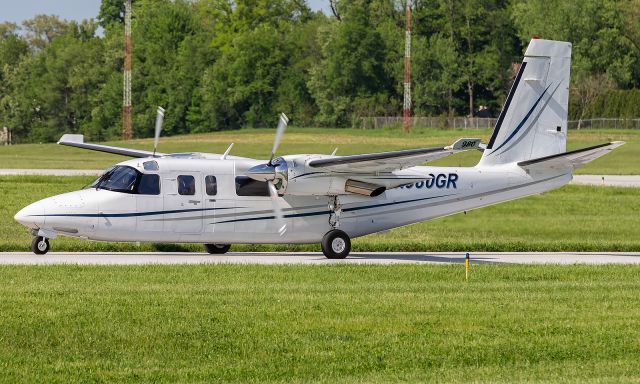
(269, 172)
(277, 211)
(282, 125)
(159, 120)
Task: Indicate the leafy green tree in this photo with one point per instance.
(13, 50)
(594, 27)
(43, 29)
(221, 64)
(112, 11)
(160, 30)
(241, 86)
(8, 29)
(351, 80)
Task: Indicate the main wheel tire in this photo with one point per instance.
(40, 245)
(217, 249)
(336, 244)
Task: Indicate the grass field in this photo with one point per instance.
(256, 143)
(331, 324)
(573, 218)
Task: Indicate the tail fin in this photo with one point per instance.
(533, 120)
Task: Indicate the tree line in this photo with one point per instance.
(223, 64)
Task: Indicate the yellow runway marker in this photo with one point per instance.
(466, 267)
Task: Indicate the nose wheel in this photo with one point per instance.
(336, 244)
(40, 245)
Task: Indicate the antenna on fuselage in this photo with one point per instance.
(159, 119)
(226, 153)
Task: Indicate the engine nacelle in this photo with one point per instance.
(308, 181)
(292, 176)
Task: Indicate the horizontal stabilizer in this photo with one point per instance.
(72, 138)
(77, 141)
(574, 159)
(464, 144)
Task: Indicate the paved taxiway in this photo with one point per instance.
(114, 258)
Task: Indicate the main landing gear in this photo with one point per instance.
(217, 248)
(40, 245)
(336, 244)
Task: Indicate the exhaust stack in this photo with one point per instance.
(362, 188)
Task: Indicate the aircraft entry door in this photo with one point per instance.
(183, 202)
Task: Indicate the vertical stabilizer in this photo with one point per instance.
(533, 120)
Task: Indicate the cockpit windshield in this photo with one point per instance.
(128, 180)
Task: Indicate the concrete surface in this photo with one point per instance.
(607, 180)
(51, 172)
(113, 258)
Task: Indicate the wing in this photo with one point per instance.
(78, 142)
(575, 159)
(391, 161)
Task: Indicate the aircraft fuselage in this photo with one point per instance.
(226, 214)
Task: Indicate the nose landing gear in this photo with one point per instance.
(40, 245)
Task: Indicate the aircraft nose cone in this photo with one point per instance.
(31, 216)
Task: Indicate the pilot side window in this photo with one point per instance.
(246, 186)
(186, 185)
(211, 185)
(149, 185)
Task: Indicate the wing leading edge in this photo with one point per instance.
(391, 161)
(77, 141)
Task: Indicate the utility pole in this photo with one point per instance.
(406, 121)
(126, 102)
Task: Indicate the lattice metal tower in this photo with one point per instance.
(406, 121)
(126, 102)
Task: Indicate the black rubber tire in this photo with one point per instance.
(217, 249)
(40, 245)
(336, 244)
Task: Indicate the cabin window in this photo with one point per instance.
(125, 179)
(246, 186)
(186, 185)
(118, 179)
(211, 185)
(149, 185)
(150, 165)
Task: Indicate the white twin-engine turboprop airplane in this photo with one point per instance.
(218, 200)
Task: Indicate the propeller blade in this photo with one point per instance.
(282, 125)
(159, 119)
(277, 211)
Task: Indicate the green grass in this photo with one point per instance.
(256, 143)
(573, 218)
(331, 324)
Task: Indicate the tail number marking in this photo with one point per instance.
(440, 181)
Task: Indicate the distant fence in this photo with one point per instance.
(486, 122)
(605, 123)
(429, 122)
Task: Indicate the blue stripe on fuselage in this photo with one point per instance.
(129, 214)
